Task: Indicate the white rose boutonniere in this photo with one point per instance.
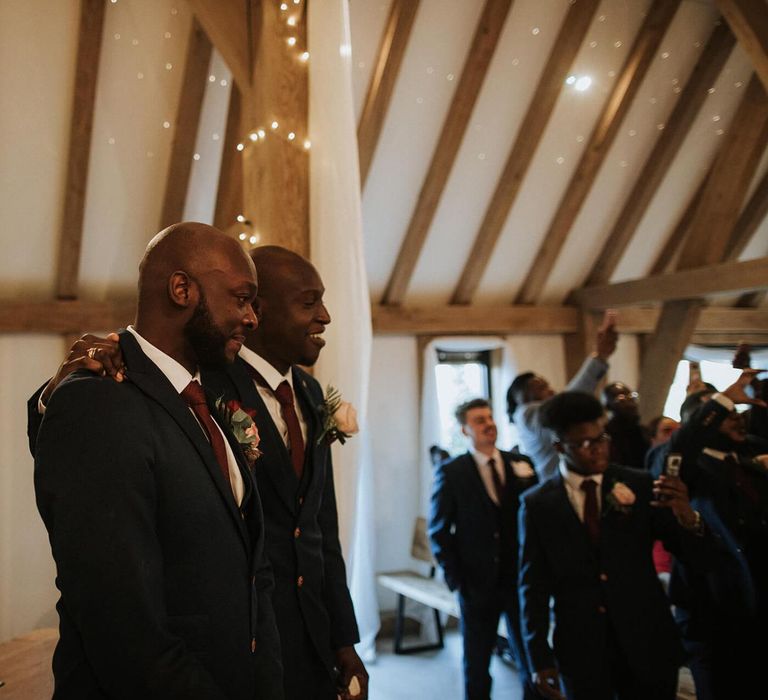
(621, 497)
(339, 418)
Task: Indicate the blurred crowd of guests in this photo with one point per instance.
(615, 550)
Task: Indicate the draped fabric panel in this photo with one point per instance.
(336, 247)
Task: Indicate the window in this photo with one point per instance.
(720, 374)
(460, 376)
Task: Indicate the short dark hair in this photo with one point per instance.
(516, 393)
(694, 400)
(608, 391)
(569, 408)
(463, 409)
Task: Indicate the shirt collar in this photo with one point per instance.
(271, 376)
(481, 459)
(174, 372)
(575, 480)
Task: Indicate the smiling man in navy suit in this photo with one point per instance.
(154, 522)
(586, 539)
(473, 531)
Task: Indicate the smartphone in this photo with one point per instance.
(672, 467)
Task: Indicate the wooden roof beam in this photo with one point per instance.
(508, 319)
(619, 101)
(79, 155)
(569, 39)
(226, 22)
(689, 283)
(473, 74)
(712, 60)
(391, 51)
(193, 84)
(749, 21)
(751, 217)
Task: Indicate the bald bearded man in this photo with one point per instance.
(154, 521)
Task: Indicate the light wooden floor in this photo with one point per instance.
(25, 667)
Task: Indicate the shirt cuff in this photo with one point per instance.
(724, 401)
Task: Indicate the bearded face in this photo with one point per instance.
(206, 338)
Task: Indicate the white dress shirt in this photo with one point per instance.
(273, 378)
(179, 377)
(484, 469)
(576, 496)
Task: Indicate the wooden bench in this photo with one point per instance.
(423, 589)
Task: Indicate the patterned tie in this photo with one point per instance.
(498, 487)
(194, 395)
(284, 394)
(591, 514)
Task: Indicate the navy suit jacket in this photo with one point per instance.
(474, 543)
(164, 584)
(301, 519)
(616, 585)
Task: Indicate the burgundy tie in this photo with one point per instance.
(498, 487)
(591, 514)
(194, 395)
(284, 394)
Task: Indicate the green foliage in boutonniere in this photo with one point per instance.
(241, 422)
(620, 498)
(339, 418)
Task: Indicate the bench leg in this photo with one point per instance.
(400, 629)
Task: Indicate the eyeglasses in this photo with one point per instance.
(588, 443)
(630, 396)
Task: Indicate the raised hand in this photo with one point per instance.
(737, 392)
(98, 355)
(607, 336)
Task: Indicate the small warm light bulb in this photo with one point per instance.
(582, 83)
(243, 236)
(291, 136)
(274, 125)
(240, 146)
(196, 156)
(240, 219)
(253, 136)
(570, 80)
(283, 7)
(261, 133)
(291, 41)
(307, 144)
(291, 21)
(166, 125)
(253, 240)
(305, 56)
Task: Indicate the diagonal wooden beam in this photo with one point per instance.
(391, 51)
(749, 21)
(711, 229)
(475, 68)
(732, 173)
(751, 217)
(229, 194)
(676, 239)
(721, 278)
(702, 78)
(566, 46)
(78, 159)
(226, 22)
(193, 84)
(619, 101)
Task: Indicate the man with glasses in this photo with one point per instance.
(586, 536)
(629, 438)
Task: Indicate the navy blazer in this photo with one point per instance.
(302, 541)
(473, 540)
(616, 585)
(164, 584)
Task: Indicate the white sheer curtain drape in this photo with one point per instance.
(337, 250)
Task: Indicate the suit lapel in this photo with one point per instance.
(313, 452)
(275, 460)
(152, 382)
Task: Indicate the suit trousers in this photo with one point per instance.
(480, 612)
(618, 680)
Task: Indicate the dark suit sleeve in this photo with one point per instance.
(442, 517)
(534, 591)
(96, 493)
(34, 418)
(344, 630)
